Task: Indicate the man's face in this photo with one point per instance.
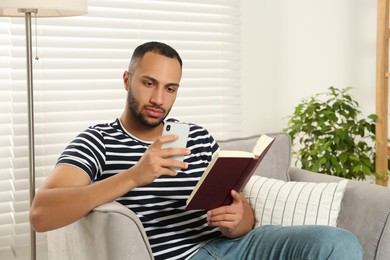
(152, 88)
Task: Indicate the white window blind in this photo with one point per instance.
(78, 82)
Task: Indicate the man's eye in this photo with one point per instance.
(149, 84)
(171, 89)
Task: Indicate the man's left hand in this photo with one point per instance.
(234, 220)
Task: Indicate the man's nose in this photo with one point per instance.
(157, 96)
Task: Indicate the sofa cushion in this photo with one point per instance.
(276, 162)
(276, 202)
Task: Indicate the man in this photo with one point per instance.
(124, 161)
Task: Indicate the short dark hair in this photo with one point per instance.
(156, 47)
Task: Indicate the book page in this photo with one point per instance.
(261, 144)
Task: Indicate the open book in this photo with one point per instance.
(227, 170)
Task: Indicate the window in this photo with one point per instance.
(78, 82)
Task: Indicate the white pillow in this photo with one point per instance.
(277, 202)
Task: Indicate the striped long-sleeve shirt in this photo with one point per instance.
(104, 150)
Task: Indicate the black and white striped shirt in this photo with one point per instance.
(174, 233)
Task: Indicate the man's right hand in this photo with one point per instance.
(157, 161)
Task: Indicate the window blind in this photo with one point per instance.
(78, 82)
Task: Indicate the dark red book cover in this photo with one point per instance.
(216, 187)
(226, 174)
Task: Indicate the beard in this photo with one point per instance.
(133, 105)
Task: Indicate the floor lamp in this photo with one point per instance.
(39, 8)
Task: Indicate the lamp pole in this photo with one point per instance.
(30, 111)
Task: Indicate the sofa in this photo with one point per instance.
(111, 231)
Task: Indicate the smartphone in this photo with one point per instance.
(180, 129)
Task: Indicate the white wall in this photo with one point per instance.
(294, 49)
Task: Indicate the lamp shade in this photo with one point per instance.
(43, 8)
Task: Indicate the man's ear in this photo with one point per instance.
(126, 78)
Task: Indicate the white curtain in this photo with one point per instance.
(78, 82)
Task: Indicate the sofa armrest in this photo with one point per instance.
(365, 211)
(110, 231)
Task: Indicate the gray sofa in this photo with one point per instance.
(111, 231)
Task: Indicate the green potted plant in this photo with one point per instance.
(331, 136)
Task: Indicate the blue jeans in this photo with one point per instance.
(285, 243)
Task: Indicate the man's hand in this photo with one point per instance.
(156, 161)
(234, 220)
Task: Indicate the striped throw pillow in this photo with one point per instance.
(277, 202)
